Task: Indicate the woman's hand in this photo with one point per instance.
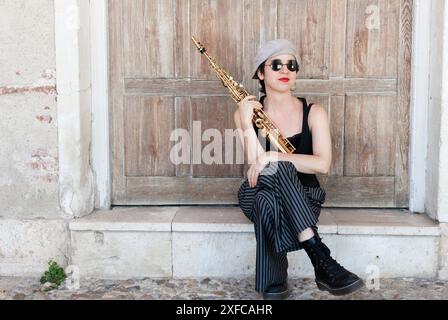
(256, 168)
(246, 107)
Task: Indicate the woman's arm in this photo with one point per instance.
(320, 161)
(249, 140)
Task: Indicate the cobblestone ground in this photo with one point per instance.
(210, 289)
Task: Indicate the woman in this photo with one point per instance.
(281, 194)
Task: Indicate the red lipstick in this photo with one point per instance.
(284, 79)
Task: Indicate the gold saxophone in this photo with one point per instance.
(260, 118)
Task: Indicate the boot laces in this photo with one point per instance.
(330, 265)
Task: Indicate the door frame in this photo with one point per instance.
(101, 152)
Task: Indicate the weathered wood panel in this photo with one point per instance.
(369, 136)
(219, 24)
(148, 38)
(216, 150)
(187, 87)
(341, 191)
(403, 105)
(372, 38)
(148, 124)
(307, 24)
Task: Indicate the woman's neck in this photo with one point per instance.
(275, 101)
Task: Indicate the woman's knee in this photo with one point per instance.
(264, 202)
(264, 197)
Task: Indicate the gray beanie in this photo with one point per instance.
(270, 49)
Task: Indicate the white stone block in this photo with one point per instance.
(121, 255)
(443, 252)
(124, 242)
(26, 246)
(213, 254)
(394, 256)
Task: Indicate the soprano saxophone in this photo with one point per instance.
(238, 93)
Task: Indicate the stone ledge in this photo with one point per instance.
(383, 222)
(192, 241)
(231, 219)
(127, 219)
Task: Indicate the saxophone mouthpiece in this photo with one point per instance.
(198, 45)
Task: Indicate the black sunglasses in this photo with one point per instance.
(277, 65)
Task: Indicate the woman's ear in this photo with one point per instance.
(260, 75)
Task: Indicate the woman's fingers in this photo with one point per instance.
(257, 169)
(250, 98)
(252, 176)
(256, 104)
(246, 100)
(255, 180)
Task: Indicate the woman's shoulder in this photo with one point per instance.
(314, 108)
(317, 114)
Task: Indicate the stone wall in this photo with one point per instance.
(31, 227)
(29, 142)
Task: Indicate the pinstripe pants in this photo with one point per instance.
(280, 208)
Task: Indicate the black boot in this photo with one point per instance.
(276, 292)
(330, 275)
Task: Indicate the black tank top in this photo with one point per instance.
(303, 142)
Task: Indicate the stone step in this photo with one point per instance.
(197, 241)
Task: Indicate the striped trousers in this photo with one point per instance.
(280, 208)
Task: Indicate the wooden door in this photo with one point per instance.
(355, 61)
